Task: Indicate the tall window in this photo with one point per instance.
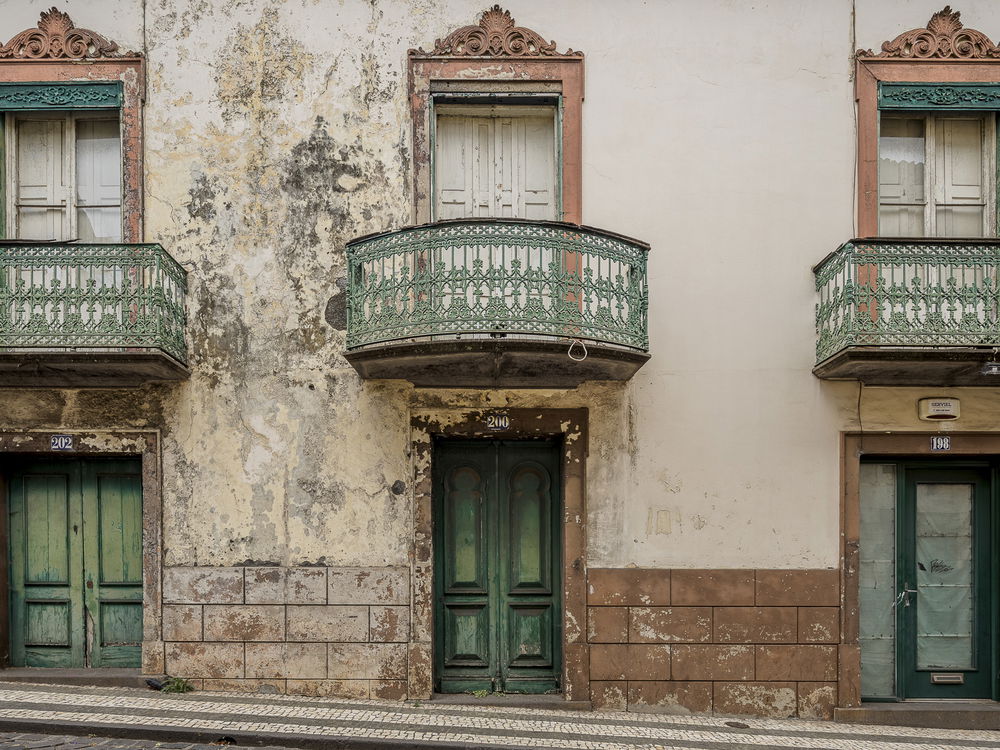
(64, 176)
(937, 175)
(495, 161)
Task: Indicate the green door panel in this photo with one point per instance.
(496, 566)
(113, 562)
(944, 579)
(46, 555)
(76, 564)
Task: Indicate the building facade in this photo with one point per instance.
(329, 363)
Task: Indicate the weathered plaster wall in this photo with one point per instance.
(275, 131)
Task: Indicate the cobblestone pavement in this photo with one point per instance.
(71, 742)
(297, 721)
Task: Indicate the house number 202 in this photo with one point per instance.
(497, 422)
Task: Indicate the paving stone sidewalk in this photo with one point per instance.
(26, 741)
(300, 722)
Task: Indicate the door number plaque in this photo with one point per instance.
(61, 442)
(941, 443)
(497, 422)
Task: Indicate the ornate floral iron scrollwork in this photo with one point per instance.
(944, 38)
(496, 35)
(56, 37)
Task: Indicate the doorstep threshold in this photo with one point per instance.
(926, 713)
(94, 676)
(553, 702)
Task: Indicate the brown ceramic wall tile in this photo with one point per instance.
(798, 663)
(607, 624)
(648, 662)
(244, 622)
(711, 662)
(286, 660)
(817, 700)
(707, 588)
(182, 622)
(608, 696)
(819, 624)
(389, 690)
(670, 625)
(200, 660)
(609, 661)
(264, 687)
(628, 586)
(773, 699)
(755, 625)
(798, 588)
(695, 697)
(848, 675)
(308, 622)
(576, 659)
(330, 688)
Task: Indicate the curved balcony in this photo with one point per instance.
(497, 303)
(76, 315)
(909, 312)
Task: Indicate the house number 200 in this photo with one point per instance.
(497, 422)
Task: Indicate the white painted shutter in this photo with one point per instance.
(98, 181)
(959, 185)
(495, 166)
(538, 170)
(42, 188)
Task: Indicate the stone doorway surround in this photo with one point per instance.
(142, 444)
(571, 426)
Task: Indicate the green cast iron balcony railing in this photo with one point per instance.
(98, 314)
(909, 311)
(440, 299)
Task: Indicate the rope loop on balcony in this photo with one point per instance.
(569, 352)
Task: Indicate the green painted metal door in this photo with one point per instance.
(945, 601)
(496, 572)
(76, 564)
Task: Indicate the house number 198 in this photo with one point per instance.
(941, 443)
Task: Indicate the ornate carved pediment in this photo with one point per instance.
(944, 38)
(496, 35)
(57, 38)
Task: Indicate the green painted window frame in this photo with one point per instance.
(60, 96)
(946, 97)
(51, 96)
(939, 96)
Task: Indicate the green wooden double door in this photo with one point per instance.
(496, 567)
(76, 563)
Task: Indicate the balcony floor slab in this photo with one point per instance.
(911, 365)
(499, 363)
(78, 369)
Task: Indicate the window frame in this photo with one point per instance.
(988, 146)
(55, 76)
(497, 106)
(870, 73)
(443, 78)
(9, 146)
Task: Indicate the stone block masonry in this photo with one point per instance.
(758, 642)
(300, 630)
